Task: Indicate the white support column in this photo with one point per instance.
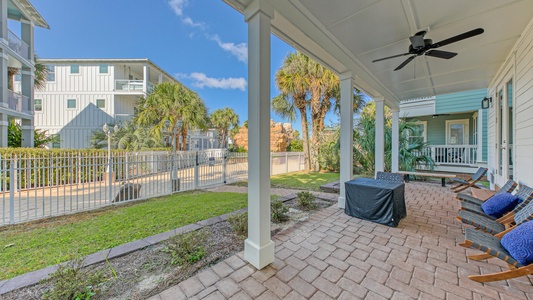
(4, 101)
(346, 138)
(380, 135)
(395, 155)
(146, 78)
(160, 79)
(3, 21)
(259, 248)
(3, 130)
(27, 37)
(480, 135)
(27, 126)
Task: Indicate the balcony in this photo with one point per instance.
(452, 155)
(19, 46)
(122, 118)
(134, 86)
(18, 102)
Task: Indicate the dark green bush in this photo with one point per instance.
(306, 200)
(187, 248)
(239, 224)
(278, 211)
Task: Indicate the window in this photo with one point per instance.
(56, 142)
(71, 103)
(100, 103)
(50, 72)
(74, 69)
(38, 105)
(104, 69)
(418, 134)
(457, 132)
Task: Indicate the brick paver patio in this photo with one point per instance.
(334, 256)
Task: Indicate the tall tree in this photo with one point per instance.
(292, 81)
(222, 120)
(173, 102)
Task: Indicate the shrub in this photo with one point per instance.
(305, 200)
(187, 248)
(278, 211)
(71, 281)
(239, 224)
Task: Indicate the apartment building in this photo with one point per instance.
(17, 21)
(83, 94)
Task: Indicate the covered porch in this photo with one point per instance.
(347, 37)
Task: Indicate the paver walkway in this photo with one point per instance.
(334, 256)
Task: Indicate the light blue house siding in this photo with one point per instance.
(468, 101)
(436, 127)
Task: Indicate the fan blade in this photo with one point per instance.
(405, 63)
(459, 37)
(398, 55)
(441, 54)
(417, 41)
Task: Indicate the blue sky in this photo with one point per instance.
(202, 43)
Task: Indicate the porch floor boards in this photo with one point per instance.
(334, 256)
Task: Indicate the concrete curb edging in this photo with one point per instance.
(35, 277)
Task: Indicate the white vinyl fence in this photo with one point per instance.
(34, 187)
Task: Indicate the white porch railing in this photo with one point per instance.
(120, 118)
(459, 155)
(17, 45)
(17, 102)
(131, 85)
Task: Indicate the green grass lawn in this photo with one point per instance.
(32, 246)
(299, 180)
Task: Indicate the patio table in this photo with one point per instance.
(374, 200)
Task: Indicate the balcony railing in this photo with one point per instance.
(18, 102)
(131, 85)
(459, 155)
(17, 45)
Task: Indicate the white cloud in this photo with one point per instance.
(200, 80)
(240, 51)
(178, 6)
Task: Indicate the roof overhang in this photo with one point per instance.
(347, 35)
(29, 12)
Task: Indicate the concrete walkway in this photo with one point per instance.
(334, 256)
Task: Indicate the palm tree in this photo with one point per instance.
(222, 120)
(173, 102)
(292, 81)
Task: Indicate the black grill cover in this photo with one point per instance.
(376, 200)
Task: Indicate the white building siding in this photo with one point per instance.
(521, 67)
(65, 81)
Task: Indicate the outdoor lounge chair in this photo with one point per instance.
(520, 214)
(508, 187)
(464, 184)
(474, 204)
(492, 246)
(386, 176)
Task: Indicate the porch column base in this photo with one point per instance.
(259, 256)
(342, 202)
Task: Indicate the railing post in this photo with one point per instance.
(110, 179)
(12, 180)
(196, 169)
(224, 157)
(299, 161)
(127, 167)
(286, 162)
(271, 163)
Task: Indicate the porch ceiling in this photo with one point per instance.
(347, 35)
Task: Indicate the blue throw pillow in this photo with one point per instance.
(519, 243)
(500, 204)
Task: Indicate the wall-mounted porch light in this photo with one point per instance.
(486, 102)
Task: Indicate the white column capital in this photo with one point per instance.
(379, 99)
(347, 75)
(258, 6)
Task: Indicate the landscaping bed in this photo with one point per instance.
(149, 271)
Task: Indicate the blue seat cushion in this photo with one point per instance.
(519, 243)
(500, 204)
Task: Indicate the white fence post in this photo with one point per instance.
(12, 179)
(196, 170)
(224, 157)
(286, 162)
